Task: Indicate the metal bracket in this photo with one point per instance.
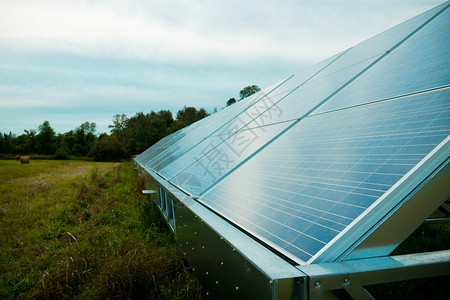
(147, 192)
(437, 220)
(355, 289)
(328, 277)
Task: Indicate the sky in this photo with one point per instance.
(68, 61)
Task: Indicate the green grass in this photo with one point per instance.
(80, 229)
(77, 229)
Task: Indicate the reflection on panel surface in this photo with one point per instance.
(312, 182)
(424, 65)
(221, 154)
(204, 128)
(296, 164)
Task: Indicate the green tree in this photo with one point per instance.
(84, 138)
(7, 142)
(62, 152)
(24, 143)
(231, 101)
(30, 145)
(118, 129)
(45, 139)
(187, 116)
(143, 130)
(119, 124)
(2, 143)
(108, 148)
(248, 91)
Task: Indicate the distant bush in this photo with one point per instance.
(62, 154)
(108, 149)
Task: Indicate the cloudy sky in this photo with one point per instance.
(73, 61)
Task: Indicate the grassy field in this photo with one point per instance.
(72, 229)
(79, 229)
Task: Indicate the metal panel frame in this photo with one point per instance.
(228, 262)
(392, 202)
(231, 264)
(354, 275)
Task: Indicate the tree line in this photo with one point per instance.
(128, 136)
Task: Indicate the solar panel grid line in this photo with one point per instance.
(196, 159)
(313, 190)
(345, 67)
(330, 181)
(406, 112)
(243, 129)
(279, 200)
(323, 170)
(332, 167)
(166, 142)
(424, 36)
(373, 153)
(289, 91)
(302, 211)
(408, 33)
(231, 170)
(402, 189)
(426, 91)
(279, 238)
(415, 59)
(308, 79)
(215, 162)
(252, 100)
(187, 130)
(374, 159)
(231, 134)
(295, 204)
(144, 155)
(289, 213)
(365, 69)
(243, 161)
(164, 157)
(268, 232)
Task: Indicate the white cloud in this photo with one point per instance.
(64, 53)
(194, 31)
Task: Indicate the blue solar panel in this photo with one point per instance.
(160, 146)
(301, 163)
(194, 172)
(306, 187)
(428, 67)
(257, 113)
(204, 128)
(220, 155)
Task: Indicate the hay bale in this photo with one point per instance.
(134, 156)
(17, 157)
(24, 159)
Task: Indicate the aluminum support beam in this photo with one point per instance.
(353, 275)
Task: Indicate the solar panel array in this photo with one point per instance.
(297, 164)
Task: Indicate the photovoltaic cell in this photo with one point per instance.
(428, 67)
(160, 146)
(311, 183)
(195, 171)
(310, 87)
(257, 113)
(221, 154)
(208, 126)
(296, 164)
